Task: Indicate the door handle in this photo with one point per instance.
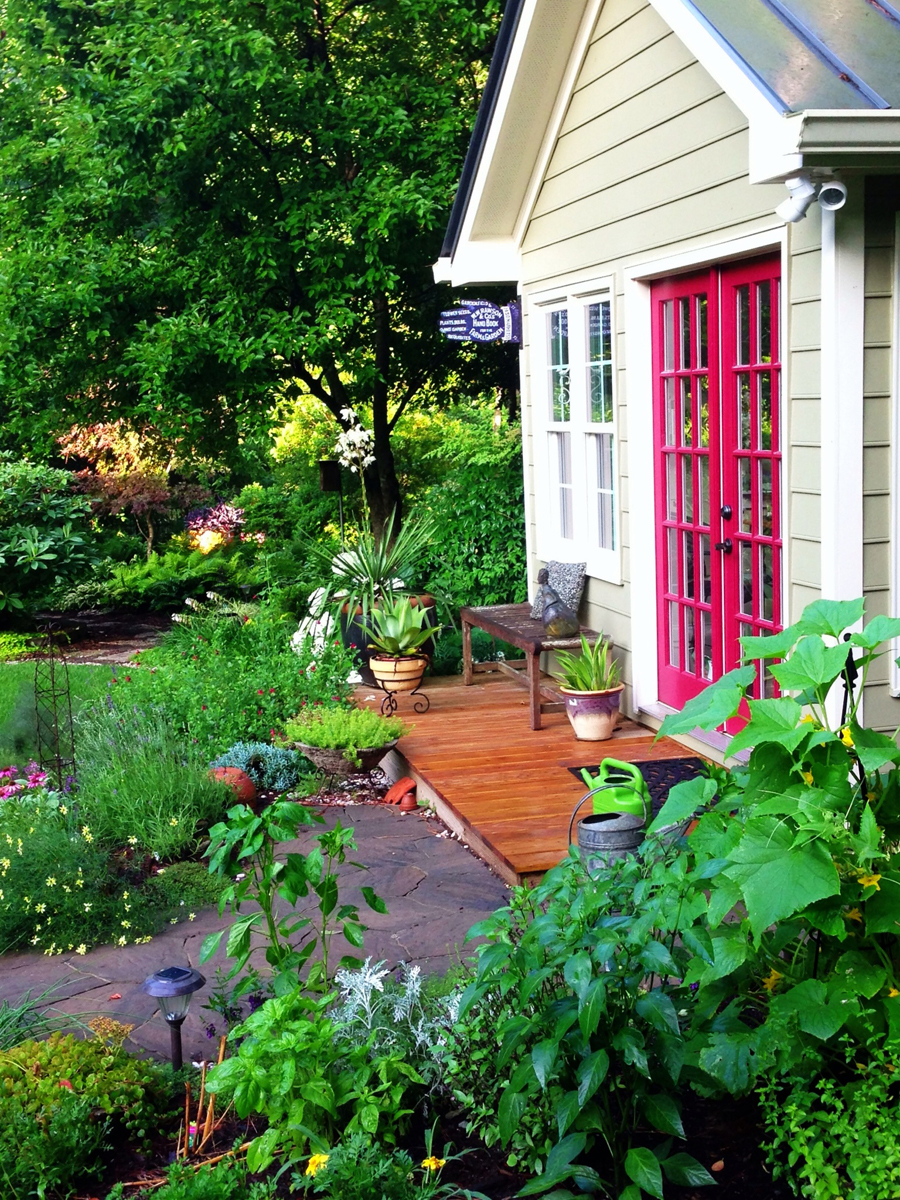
(727, 546)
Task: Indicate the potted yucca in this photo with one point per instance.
(591, 685)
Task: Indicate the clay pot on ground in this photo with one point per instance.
(593, 715)
(239, 781)
(398, 674)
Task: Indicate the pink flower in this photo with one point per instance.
(271, 691)
(260, 692)
(128, 679)
(64, 1083)
(203, 708)
(37, 779)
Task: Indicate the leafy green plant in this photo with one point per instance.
(836, 1134)
(242, 849)
(568, 1038)
(15, 645)
(226, 1180)
(62, 1099)
(399, 626)
(348, 729)
(288, 1066)
(140, 782)
(27, 1018)
(593, 670)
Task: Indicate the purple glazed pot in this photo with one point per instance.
(594, 715)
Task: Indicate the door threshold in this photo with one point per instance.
(703, 740)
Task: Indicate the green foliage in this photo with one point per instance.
(140, 781)
(18, 731)
(180, 887)
(26, 1019)
(44, 536)
(15, 645)
(237, 681)
(400, 626)
(268, 766)
(448, 651)
(288, 1066)
(349, 729)
(836, 1135)
(477, 551)
(568, 1037)
(63, 1101)
(593, 670)
(226, 1180)
(242, 849)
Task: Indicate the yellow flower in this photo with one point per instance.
(433, 1164)
(82, 949)
(86, 833)
(40, 908)
(173, 821)
(173, 921)
(63, 810)
(192, 916)
(88, 907)
(846, 737)
(316, 1163)
(132, 841)
(121, 942)
(771, 980)
(125, 924)
(51, 881)
(892, 993)
(808, 777)
(807, 719)
(853, 914)
(870, 881)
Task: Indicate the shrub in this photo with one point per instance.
(226, 1180)
(268, 766)
(140, 781)
(63, 1100)
(350, 729)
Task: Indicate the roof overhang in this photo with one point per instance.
(528, 96)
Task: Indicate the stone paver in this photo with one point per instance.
(433, 887)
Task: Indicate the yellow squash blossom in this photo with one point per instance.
(847, 737)
(771, 980)
(870, 881)
(853, 914)
(316, 1162)
(892, 993)
(432, 1163)
(808, 777)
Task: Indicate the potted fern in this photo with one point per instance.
(590, 682)
(399, 631)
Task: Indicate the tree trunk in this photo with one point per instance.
(380, 479)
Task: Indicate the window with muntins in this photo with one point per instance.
(576, 427)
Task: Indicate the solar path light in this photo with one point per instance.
(172, 988)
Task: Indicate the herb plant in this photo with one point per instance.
(349, 729)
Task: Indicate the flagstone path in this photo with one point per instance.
(434, 889)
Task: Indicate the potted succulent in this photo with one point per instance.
(399, 631)
(341, 741)
(590, 683)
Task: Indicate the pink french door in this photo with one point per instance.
(717, 437)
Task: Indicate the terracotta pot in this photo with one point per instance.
(401, 674)
(334, 762)
(354, 635)
(594, 715)
(239, 781)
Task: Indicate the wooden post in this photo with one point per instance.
(467, 650)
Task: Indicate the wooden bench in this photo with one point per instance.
(512, 623)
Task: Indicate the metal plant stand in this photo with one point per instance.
(53, 713)
(389, 703)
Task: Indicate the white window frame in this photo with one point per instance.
(583, 546)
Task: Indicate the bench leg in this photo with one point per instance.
(467, 652)
(534, 688)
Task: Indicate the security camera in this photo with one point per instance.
(802, 194)
(832, 195)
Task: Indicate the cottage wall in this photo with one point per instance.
(651, 160)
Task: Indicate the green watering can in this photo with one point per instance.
(619, 787)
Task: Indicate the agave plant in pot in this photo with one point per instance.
(591, 685)
(398, 633)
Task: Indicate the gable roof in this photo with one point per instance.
(817, 80)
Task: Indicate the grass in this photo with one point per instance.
(18, 734)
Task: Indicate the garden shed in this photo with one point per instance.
(697, 203)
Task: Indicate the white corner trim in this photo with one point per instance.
(563, 96)
(895, 457)
(841, 386)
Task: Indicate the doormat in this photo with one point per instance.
(660, 775)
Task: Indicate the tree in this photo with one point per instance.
(204, 206)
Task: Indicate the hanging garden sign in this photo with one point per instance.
(482, 321)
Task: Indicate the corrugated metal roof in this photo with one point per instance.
(813, 54)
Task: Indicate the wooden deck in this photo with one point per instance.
(503, 787)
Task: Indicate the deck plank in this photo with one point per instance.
(503, 787)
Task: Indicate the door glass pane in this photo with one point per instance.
(743, 389)
(674, 641)
(706, 646)
(702, 333)
(671, 487)
(600, 360)
(765, 497)
(746, 589)
(742, 301)
(688, 591)
(766, 582)
(704, 411)
(687, 489)
(672, 556)
(559, 364)
(746, 499)
(669, 386)
(705, 570)
(668, 321)
(686, 421)
(769, 683)
(690, 662)
(684, 307)
(764, 322)
(703, 476)
(765, 411)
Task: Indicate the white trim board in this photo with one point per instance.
(895, 455)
